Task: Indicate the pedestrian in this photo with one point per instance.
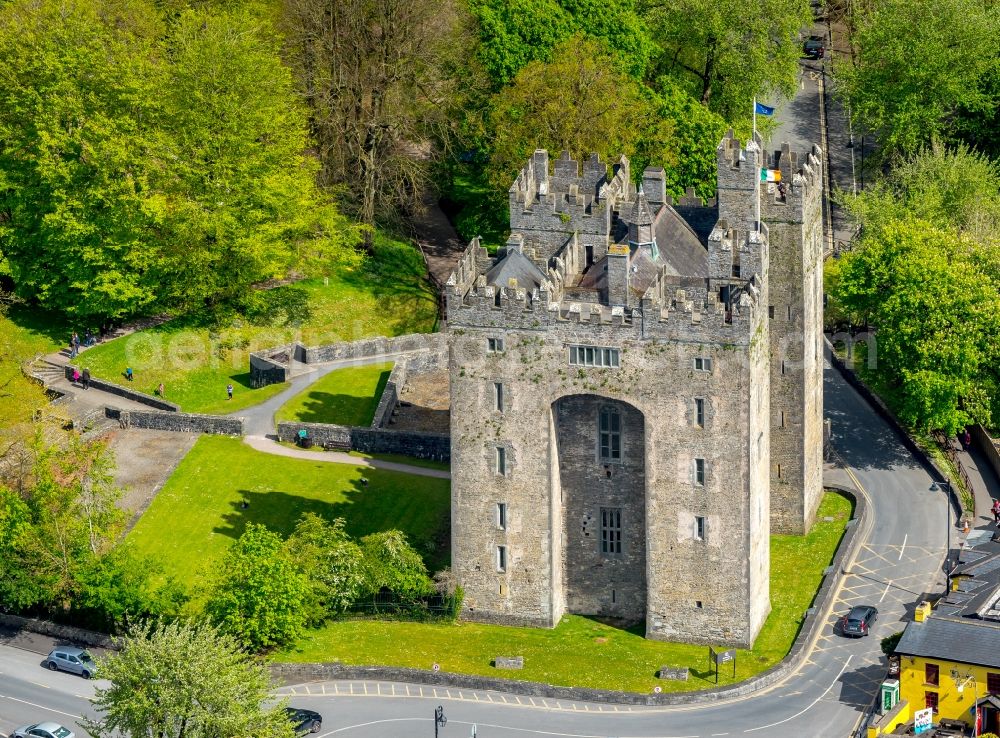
(781, 190)
(967, 439)
(159, 390)
(996, 511)
(229, 390)
(76, 376)
(86, 378)
(128, 373)
(74, 345)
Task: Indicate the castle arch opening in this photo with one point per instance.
(600, 473)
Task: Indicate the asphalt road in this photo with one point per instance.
(899, 562)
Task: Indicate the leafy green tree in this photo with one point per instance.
(726, 53)
(918, 66)
(260, 593)
(390, 563)
(580, 101)
(18, 587)
(331, 561)
(184, 680)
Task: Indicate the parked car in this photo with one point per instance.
(71, 659)
(858, 621)
(305, 721)
(43, 730)
(814, 47)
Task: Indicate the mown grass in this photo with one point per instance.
(198, 513)
(25, 334)
(195, 357)
(346, 396)
(583, 652)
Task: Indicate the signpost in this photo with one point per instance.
(923, 720)
(721, 657)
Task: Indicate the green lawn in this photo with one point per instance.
(196, 358)
(343, 397)
(582, 652)
(198, 513)
(24, 334)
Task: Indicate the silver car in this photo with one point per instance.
(71, 659)
(43, 730)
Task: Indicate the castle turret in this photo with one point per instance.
(640, 222)
(739, 181)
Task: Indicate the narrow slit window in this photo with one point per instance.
(699, 528)
(699, 472)
(699, 412)
(502, 515)
(501, 558)
(498, 395)
(610, 432)
(501, 458)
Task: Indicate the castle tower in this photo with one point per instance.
(793, 214)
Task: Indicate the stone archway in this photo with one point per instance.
(599, 470)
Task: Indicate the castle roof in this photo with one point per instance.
(680, 247)
(641, 213)
(515, 265)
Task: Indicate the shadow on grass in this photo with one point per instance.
(339, 409)
(53, 326)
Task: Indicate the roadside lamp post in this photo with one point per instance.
(439, 719)
(945, 487)
(960, 683)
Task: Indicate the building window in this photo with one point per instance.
(610, 432)
(699, 472)
(699, 412)
(702, 364)
(782, 418)
(501, 558)
(699, 528)
(502, 515)
(931, 701)
(736, 270)
(770, 311)
(993, 683)
(594, 356)
(494, 345)
(501, 461)
(779, 471)
(931, 674)
(782, 367)
(498, 395)
(611, 530)
(697, 604)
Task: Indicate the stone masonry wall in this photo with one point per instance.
(376, 347)
(436, 447)
(178, 422)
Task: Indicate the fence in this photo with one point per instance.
(963, 477)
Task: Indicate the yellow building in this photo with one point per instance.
(951, 665)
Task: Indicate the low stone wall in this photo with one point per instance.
(77, 636)
(265, 369)
(180, 422)
(984, 442)
(436, 447)
(814, 621)
(127, 393)
(390, 395)
(375, 347)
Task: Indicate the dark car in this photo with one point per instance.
(858, 621)
(814, 47)
(305, 721)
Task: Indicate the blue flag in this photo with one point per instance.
(763, 109)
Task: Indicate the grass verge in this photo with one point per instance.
(24, 334)
(583, 652)
(198, 513)
(346, 396)
(196, 357)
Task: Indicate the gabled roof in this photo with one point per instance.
(515, 265)
(679, 245)
(963, 640)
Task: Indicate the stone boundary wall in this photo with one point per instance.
(434, 446)
(128, 394)
(814, 621)
(179, 422)
(937, 474)
(370, 348)
(265, 369)
(390, 395)
(985, 443)
(77, 636)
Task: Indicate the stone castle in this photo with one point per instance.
(636, 395)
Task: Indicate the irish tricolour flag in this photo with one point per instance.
(770, 175)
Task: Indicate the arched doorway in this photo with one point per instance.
(600, 454)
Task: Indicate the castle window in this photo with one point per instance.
(594, 356)
(497, 295)
(611, 530)
(494, 345)
(610, 433)
(702, 364)
(736, 270)
(501, 558)
(779, 471)
(699, 528)
(498, 395)
(697, 604)
(770, 311)
(699, 472)
(699, 412)
(782, 418)
(501, 459)
(501, 516)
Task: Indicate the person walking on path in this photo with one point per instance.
(128, 373)
(159, 390)
(229, 390)
(86, 378)
(996, 511)
(966, 439)
(74, 345)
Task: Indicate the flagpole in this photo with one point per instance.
(757, 173)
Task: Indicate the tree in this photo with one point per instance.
(580, 102)
(724, 54)
(391, 564)
(260, 593)
(331, 561)
(917, 67)
(184, 680)
(383, 80)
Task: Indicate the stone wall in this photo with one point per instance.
(985, 443)
(126, 392)
(431, 446)
(375, 348)
(76, 636)
(272, 365)
(180, 422)
(390, 395)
